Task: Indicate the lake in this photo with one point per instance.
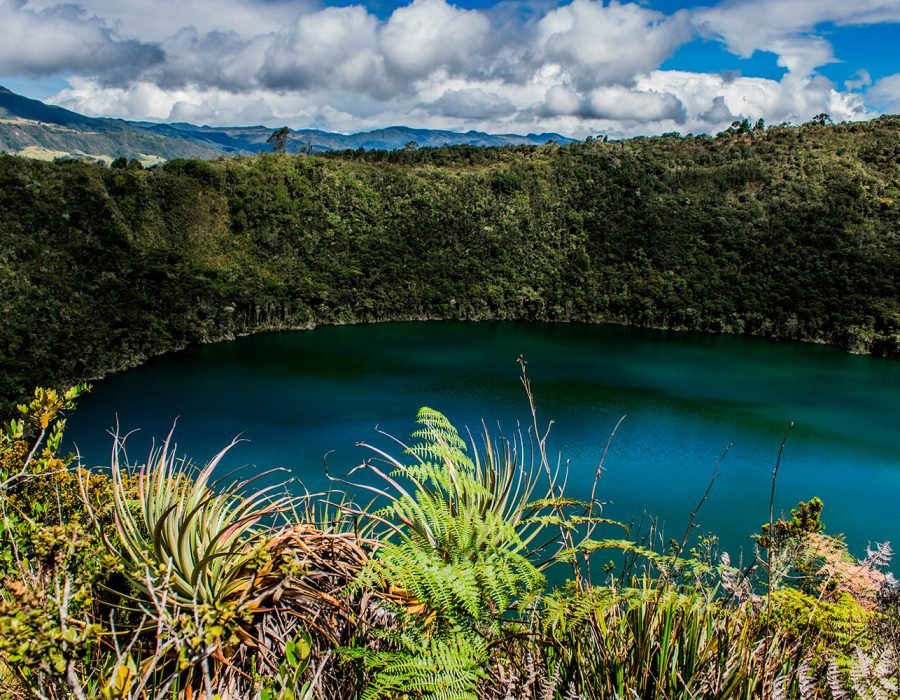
(297, 396)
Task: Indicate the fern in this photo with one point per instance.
(455, 558)
(452, 559)
(455, 546)
(873, 675)
(448, 668)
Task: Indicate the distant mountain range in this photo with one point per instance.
(31, 128)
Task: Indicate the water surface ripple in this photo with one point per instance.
(297, 396)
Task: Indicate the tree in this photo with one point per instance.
(278, 139)
(122, 163)
(738, 127)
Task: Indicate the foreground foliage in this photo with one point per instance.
(153, 581)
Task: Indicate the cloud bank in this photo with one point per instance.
(583, 67)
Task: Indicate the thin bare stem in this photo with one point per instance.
(591, 525)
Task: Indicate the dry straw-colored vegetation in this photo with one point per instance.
(155, 581)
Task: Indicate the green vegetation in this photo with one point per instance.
(149, 581)
(31, 128)
(789, 232)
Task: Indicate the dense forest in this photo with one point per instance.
(787, 232)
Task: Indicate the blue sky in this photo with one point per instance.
(578, 67)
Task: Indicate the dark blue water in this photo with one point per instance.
(299, 396)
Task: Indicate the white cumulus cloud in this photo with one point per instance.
(428, 34)
(612, 43)
(336, 46)
(60, 38)
(471, 103)
(885, 94)
(579, 67)
(788, 27)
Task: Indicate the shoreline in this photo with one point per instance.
(424, 318)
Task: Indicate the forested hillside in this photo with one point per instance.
(789, 232)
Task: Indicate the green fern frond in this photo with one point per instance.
(573, 521)
(627, 546)
(446, 669)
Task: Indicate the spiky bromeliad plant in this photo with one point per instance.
(192, 551)
(198, 536)
(222, 581)
(225, 579)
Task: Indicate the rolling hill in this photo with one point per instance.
(31, 128)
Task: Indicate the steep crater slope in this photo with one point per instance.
(788, 233)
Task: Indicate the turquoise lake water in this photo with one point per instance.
(297, 396)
